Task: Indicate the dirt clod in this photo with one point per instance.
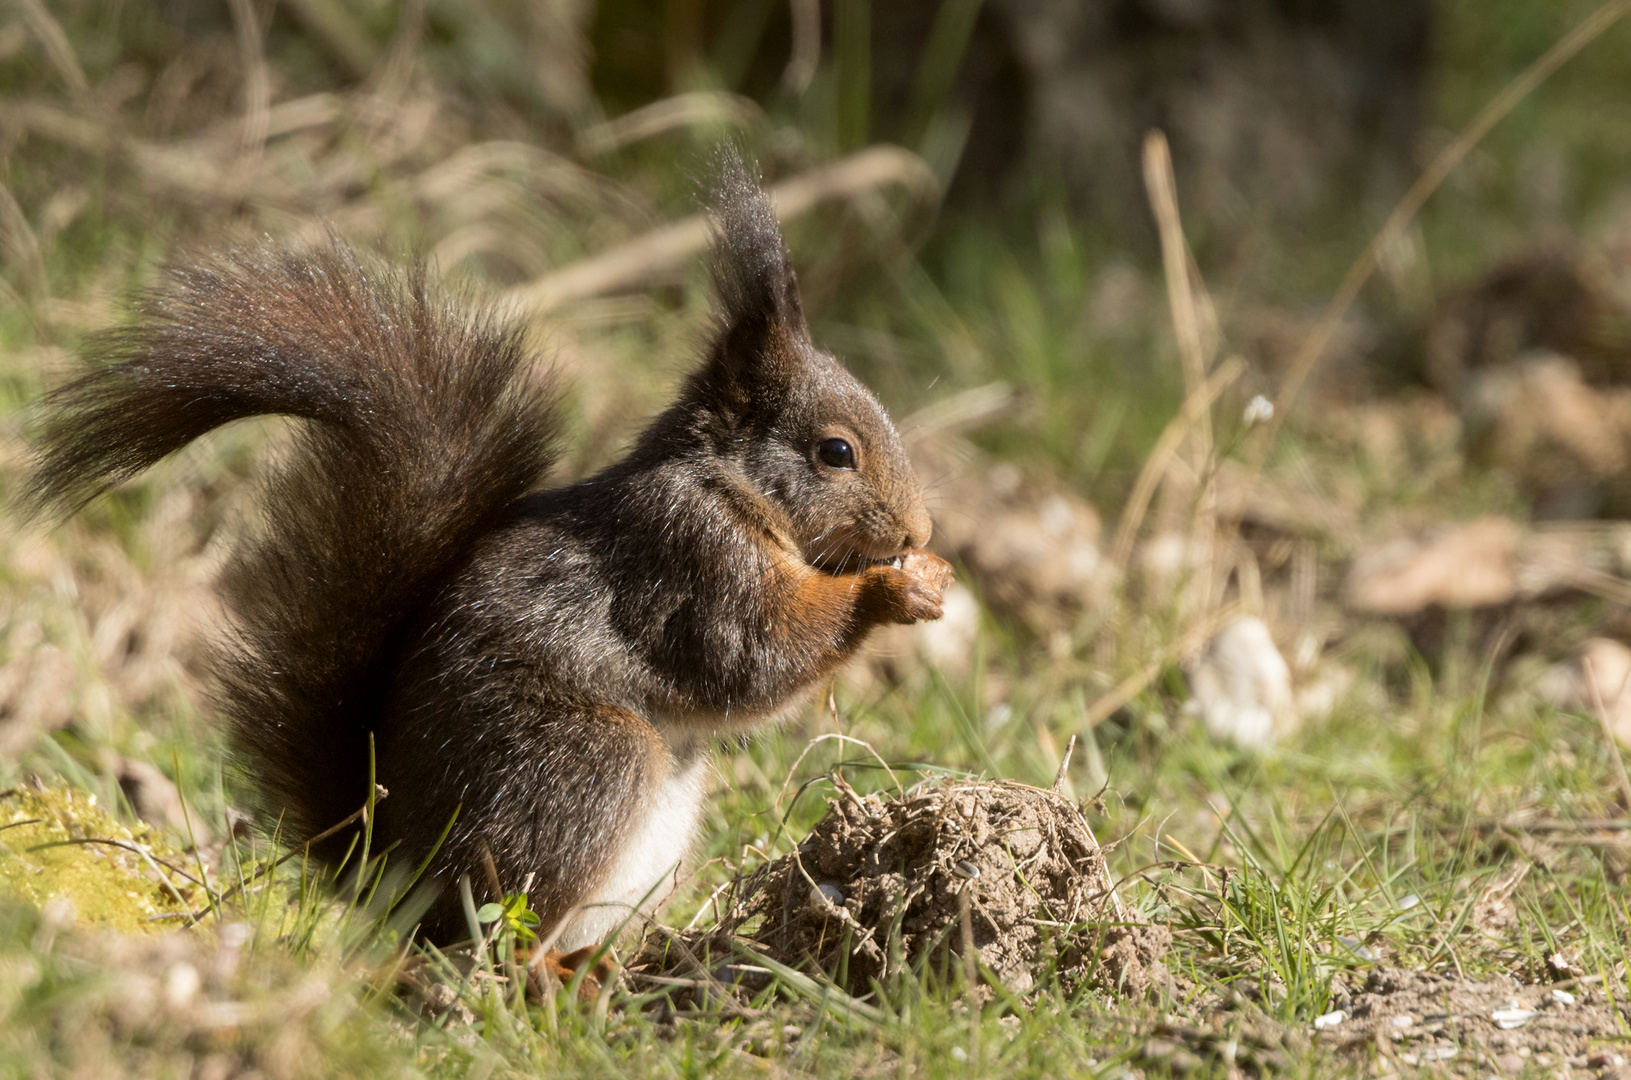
(880, 885)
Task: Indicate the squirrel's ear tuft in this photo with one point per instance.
(760, 313)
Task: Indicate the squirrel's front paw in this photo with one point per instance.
(928, 568)
(913, 591)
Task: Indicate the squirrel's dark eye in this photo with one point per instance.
(836, 453)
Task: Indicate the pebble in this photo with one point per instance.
(1510, 1018)
(1357, 947)
(1329, 1020)
(1242, 685)
(181, 982)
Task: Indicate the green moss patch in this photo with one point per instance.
(59, 848)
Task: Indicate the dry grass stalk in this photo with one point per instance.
(334, 26)
(1064, 767)
(659, 251)
(1135, 684)
(391, 80)
(257, 79)
(1182, 290)
(1196, 405)
(806, 52)
(21, 245)
(1175, 260)
(693, 109)
(843, 740)
(58, 50)
(959, 412)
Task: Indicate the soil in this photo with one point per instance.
(880, 886)
(1389, 1022)
(1500, 1026)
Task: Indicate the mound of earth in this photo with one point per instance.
(881, 885)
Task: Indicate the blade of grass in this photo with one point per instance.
(829, 998)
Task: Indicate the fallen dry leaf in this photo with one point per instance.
(1473, 565)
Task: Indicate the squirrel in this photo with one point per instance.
(537, 675)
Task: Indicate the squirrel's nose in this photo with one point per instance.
(917, 523)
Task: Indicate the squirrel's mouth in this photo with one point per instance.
(854, 551)
(854, 562)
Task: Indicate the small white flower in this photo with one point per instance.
(1258, 410)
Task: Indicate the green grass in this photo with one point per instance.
(1348, 838)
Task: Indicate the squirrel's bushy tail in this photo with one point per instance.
(425, 425)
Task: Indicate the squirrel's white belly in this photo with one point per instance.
(647, 868)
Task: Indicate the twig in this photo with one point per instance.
(1064, 764)
(153, 863)
(122, 845)
(266, 868)
(713, 898)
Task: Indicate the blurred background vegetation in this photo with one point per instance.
(510, 139)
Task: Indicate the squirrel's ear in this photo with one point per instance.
(761, 321)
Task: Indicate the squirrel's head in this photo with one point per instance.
(794, 425)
